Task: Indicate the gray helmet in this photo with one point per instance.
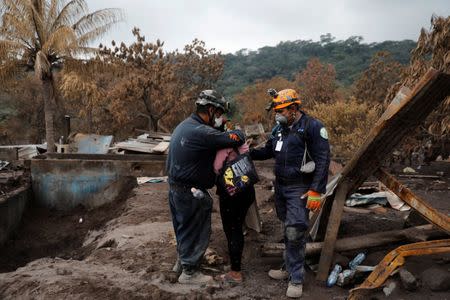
(213, 98)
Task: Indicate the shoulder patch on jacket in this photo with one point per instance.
(324, 133)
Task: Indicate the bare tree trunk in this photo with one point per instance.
(49, 108)
(89, 120)
(154, 122)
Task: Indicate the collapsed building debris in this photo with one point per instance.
(152, 142)
(400, 118)
(426, 210)
(395, 259)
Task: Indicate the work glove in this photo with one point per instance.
(313, 201)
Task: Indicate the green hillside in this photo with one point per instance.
(350, 57)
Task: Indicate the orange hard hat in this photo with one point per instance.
(283, 98)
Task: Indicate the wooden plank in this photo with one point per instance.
(326, 256)
(161, 147)
(417, 203)
(401, 118)
(358, 242)
(421, 176)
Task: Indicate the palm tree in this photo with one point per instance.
(40, 35)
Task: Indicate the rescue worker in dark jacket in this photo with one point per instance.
(193, 147)
(297, 139)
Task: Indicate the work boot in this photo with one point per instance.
(294, 290)
(177, 268)
(195, 278)
(279, 274)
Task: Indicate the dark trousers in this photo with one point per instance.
(191, 218)
(292, 211)
(233, 210)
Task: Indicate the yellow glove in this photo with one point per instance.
(313, 201)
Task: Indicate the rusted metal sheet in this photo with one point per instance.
(90, 143)
(393, 260)
(417, 203)
(66, 181)
(401, 119)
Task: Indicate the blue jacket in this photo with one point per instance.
(288, 159)
(192, 151)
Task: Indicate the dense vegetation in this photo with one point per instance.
(350, 58)
(347, 84)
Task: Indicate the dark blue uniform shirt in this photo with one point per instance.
(288, 159)
(192, 151)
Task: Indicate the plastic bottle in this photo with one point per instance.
(345, 277)
(332, 278)
(356, 261)
(197, 193)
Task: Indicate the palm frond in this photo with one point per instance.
(71, 12)
(38, 20)
(52, 13)
(99, 18)
(9, 70)
(87, 52)
(94, 34)
(17, 7)
(16, 28)
(9, 48)
(62, 41)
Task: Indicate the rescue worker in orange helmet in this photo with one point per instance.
(299, 144)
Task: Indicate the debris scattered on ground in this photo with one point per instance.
(154, 143)
(142, 180)
(389, 288)
(409, 282)
(409, 170)
(212, 258)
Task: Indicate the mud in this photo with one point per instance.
(126, 250)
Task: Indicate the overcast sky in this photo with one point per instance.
(232, 25)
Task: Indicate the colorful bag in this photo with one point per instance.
(238, 174)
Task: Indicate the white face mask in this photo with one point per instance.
(218, 122)
(280, 119)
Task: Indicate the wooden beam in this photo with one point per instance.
(358, 242)
(417, 203)
(401, 118)
(332, 230)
